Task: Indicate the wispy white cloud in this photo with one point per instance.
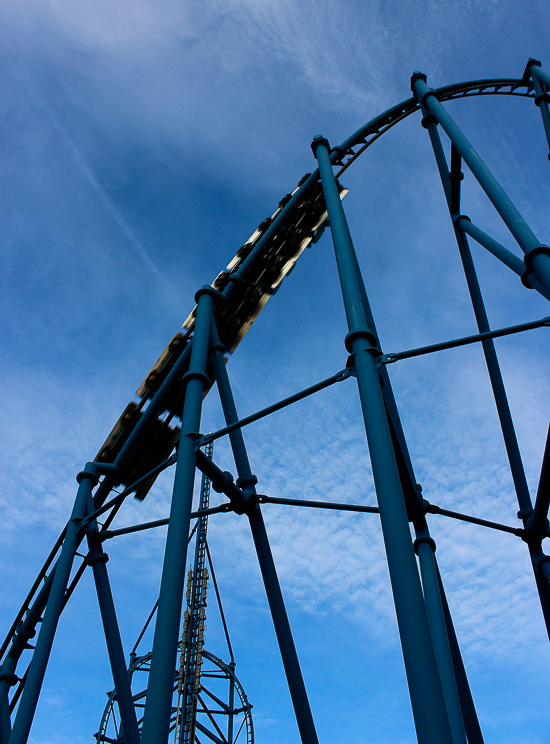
(219, 97)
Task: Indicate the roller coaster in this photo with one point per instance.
(168, 691)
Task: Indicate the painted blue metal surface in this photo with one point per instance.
(289, 655)
(441, 700)
(429, 710)
(159, 693)
(537, 255)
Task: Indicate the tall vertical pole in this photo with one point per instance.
(231, 704)
(425, 549)
(451, 186)
(469, 715)
(542, 99)
(37, 669)
(156, 720)
(289, 655)
(97, 558)
(428, 704)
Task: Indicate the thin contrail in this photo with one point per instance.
(98, 188)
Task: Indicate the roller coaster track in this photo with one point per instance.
(140, 444)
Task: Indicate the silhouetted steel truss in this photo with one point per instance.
(167, 418)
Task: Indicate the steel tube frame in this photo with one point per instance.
(529, 278)
(425, 549)
(37, 669)
(535, 253)
(538, 72)
(343, 374)
(97, 559)
(391, 357)
(362, 138)
(428, 704)
(289, 655)
(450, 180)
(508, 258)
(319, 504)
(539, 519)
(52, 596)
(541, 78)
(469, 714)
(158, 702)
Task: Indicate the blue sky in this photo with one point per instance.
(142, 143)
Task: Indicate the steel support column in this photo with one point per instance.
(98, 560)
(295, 680)
(428, 704)
(537, 256)
(450, 180)
(469, 714)
(539, 518)
(425, 549)
(541, 78)
(158, 703)
(37, 668)
(231, 704)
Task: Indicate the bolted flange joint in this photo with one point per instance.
(218, 347)
(93, 470)
(207, 289)
(24, 632)
(248, 501)
(530, 255)
(427, 120)
(524, 513)
(94, 477)
(339, 152)
(100, 558)
(251, 480)
(195, 375)
(222, 482)
(319, 140)
(365, 333)
(419, 540)
(10, 677)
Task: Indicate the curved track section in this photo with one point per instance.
(140, 444)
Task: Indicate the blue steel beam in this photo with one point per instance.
(425, 548)
(538, 72)
(469, 714)
(529, 278)
(156, 720)
(97, 559)
(504, 86)
(539, 519)
(451, 180)
(361, 139)
(540, 79)
(35, 676)
(537, 255)
(428, 704)
(289, 655)
(343, 374)
(396, 356)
